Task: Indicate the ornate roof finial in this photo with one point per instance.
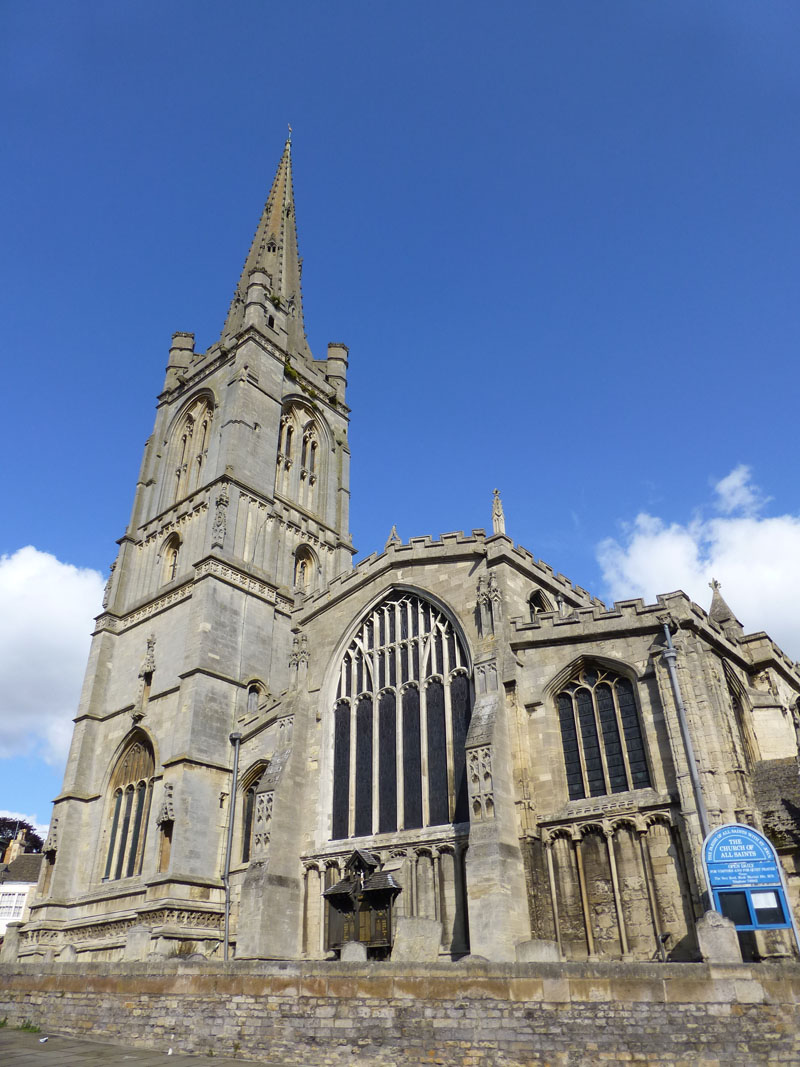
(289, 138)
(498, 518)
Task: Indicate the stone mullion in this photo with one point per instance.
(375, 757)
(579, 736)
(622, 739)
(351, 780)
(448, 728)
(600, 741)
(399, 720)
(423, 746)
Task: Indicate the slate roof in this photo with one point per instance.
(24, 868)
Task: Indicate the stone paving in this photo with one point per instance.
(18, 1048)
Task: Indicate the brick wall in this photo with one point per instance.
(474, 1015)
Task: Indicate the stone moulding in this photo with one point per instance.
(178, 921)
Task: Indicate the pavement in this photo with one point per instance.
(19, 1048)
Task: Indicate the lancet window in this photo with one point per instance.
(601, 734)
(304, 569)
(400, 719)
(131, 788)
(298, 457)
(190, 446)
(248, 790)
(169, 554)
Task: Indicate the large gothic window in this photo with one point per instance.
(131, 789)
(400, 719)
(190, 446)
(601, 734)
(298, 464)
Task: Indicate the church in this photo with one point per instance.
(446, 750)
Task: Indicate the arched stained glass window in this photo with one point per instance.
(400, 719)
(601, 735)
(131, 788)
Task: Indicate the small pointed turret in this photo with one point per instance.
(274, 251)
(498, 517)
(721, 613)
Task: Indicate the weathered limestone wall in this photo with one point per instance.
(471, 1015)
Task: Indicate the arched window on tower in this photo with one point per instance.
(400, 720)
(304, 569)
(169, 558)
(298, 473)
(537, 603)
(131, 788)
(601, 734)
(191, 438)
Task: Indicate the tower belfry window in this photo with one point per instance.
(191, 439)
(400, 718)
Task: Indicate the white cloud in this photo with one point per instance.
(40, 827)
(46, 613)
(757, 560)
(735, 492)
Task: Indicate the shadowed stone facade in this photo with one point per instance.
(498, 743)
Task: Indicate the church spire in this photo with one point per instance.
(274, 250)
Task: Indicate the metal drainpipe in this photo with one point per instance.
(670, 655)
(235, 739)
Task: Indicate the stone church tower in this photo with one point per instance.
(448, 749)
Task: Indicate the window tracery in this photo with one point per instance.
(400, 719)
(190, 446)
(131, 788)
(601, 734)
(297, 474)
(249, 789)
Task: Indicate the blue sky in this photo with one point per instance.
(561, 241)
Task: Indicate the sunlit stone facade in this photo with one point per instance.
(500, 751)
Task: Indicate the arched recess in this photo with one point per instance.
(129, 794)
(304, 442)
(248, 787)
(400, 702)
(186, 447)
(742, 711)
(168, 560)
(538, 602)
(306, 570)
(602, 739)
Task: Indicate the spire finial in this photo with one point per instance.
(289, 138)
(498, 518)
(394, 538)
(714, 585)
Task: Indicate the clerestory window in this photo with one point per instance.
(601, 734)
(400, 720)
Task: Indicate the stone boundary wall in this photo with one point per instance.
(471, 1015)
